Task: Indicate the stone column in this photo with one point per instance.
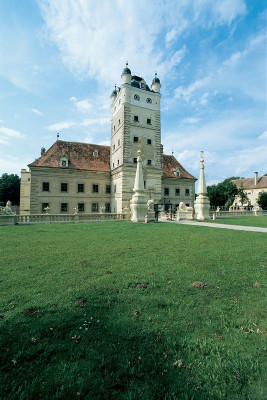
(202, 203)
(138, 203)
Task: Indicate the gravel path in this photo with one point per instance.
(223, 226)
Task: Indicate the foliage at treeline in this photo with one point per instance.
(9, 189)
(223, 194)
(262, 200)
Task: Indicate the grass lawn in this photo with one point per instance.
(245, 221)
(108, 311)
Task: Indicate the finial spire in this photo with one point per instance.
(126, 64)
(172, 152)
(57, 136)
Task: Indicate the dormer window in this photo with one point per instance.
(177, 172)
(95, 153)
(142, 85)
(64, 162)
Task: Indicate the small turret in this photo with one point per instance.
(113, 95)
(126, 75)
(156, 84)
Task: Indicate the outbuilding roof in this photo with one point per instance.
(95, 157)
(249, 183)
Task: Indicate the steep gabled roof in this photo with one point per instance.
(80, 155)
(170, 166)
(249, 183)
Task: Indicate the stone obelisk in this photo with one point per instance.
(202, 203)
(138, 203)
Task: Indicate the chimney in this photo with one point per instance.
(255, 178)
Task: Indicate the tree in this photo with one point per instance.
(9, 189)
(223, 193)
(262, 200)
(243, 196)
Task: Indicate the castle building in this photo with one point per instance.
(94, 178)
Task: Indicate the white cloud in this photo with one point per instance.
(87, 34)
(10, 132)
(188, 93)
(263, 136)
(73, 98)
(190, 120)
(83, 106)
(3, 141)
(37, 111)
(95, 121)
(60, 126)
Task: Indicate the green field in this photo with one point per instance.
(108, 311)
(244, 221)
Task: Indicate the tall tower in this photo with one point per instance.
(135, 123)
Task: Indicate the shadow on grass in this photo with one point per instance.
(88, 351)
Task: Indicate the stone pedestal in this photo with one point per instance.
(202, 208)
(138, 208)
(138, 204)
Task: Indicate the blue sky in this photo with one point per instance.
(59, 61)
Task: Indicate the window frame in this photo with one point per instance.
(166, 191)
(64, 189)
(79, 187)
(95, 207)
(46, 183)
(64, 207)
(95, 188)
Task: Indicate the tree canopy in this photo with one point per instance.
(9, 189)
(262, 200)
(223, 194)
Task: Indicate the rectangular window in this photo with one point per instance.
(80, 206)
(135, 160)
(107, 207)
(107, 188)
(177, 192)
(94, 207)
(80, 187)
(95, 188)
(187, 192)
(119, 142)
(64, 207)
(135, 139)
(148, 121)
(149, 141)
(44, 205)
(149, 162)
(166, 191)
(115, 188)
(45, 186)
(144, 184)
(64, 187)
(118, 162)
(113, 147)
(136, 118)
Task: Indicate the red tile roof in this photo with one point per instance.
(81, 156)
(170, 165)
(249, 183)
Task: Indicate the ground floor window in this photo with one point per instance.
(80, 206)
(107, 207)
(94, 207)
(44, 206)
(64, 207)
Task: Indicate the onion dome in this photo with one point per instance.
(156, 79)
(126, 70)
(114, 92)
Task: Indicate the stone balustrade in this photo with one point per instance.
(48, 218)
